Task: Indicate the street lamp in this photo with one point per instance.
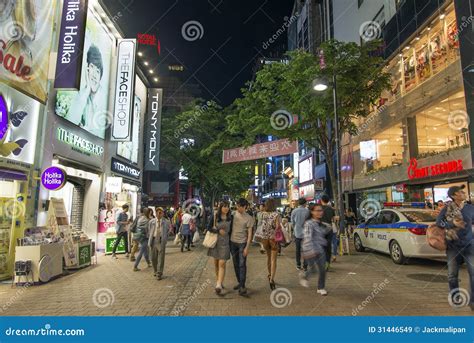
(321, 85)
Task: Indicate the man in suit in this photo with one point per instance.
(159, 228)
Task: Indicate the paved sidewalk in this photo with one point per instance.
(369, 280)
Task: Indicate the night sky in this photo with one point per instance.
(222, 60)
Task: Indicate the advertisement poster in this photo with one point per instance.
(25, 42)
(87, 108)
(106, 220)
(19, 141)
(129, 150)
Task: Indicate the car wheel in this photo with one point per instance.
(358, 243)
(396, 253)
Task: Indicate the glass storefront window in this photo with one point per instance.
(435, 48)
(438, 129)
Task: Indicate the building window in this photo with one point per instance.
(443, 126)
(383, 150)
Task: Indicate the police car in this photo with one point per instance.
(399, 229)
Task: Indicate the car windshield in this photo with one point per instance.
(420, 216)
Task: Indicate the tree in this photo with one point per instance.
(190, 140)
(360, 81)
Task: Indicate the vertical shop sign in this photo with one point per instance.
(153, 129)
(71, 44)
(124, 91)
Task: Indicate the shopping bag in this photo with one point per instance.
(210, 240)
(196, 237)
(177, 241)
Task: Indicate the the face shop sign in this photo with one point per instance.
(125, 169)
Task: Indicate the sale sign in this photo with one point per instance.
(257, 151)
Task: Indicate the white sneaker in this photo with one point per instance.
(322, 292)
(304, 282)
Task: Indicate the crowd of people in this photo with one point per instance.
(314, 228)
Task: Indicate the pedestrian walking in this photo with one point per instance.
(456, 218)
(185, 231)
(314, 247)
(141, 235)
(266, 235)
(221, 225)
(177, 220)
(351, 221)
(122, 222)
(159, 228)
(240, 240)
(258, 224)
(135, 243)
(328, 218)
(298, 218)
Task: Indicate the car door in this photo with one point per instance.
(388, 229)
(369, 228)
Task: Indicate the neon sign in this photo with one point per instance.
(434, 170)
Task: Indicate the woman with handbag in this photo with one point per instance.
(221, 250)
(269, 233)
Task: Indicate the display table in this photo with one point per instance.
(46, 261)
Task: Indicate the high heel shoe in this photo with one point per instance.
(272, 284)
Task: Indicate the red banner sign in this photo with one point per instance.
(415, 172)
(257, 151)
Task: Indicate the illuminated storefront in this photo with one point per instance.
(422, 117)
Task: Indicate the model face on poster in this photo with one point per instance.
(94, 69)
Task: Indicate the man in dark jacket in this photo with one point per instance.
(460, 246)
(328, 217)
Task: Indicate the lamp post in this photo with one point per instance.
(320, 85)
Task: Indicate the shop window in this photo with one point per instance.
(423, 69)
(452, 36)
(438, 48)
(409, 69)
(443, 126)
(384, 150)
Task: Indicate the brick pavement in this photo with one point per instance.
(188, 289)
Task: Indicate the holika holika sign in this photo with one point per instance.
(124, 91)
(71, 43)
(153, 130)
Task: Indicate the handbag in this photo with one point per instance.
(210, 240)
(177, 241)
(436, 237)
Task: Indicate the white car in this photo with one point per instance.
(399, 232)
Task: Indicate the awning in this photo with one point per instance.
(12, 174)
